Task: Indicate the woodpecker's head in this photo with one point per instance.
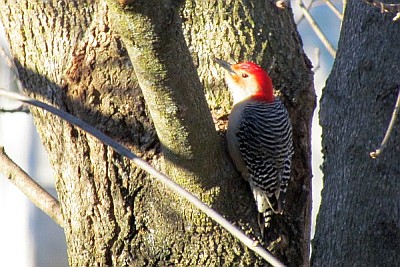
(247, 80)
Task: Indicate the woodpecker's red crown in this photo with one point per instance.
(247, 80)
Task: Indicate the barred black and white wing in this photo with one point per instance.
(265, 143)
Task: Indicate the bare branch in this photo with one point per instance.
(310, 5)
(386, 8)
(317, 52)
(6, 57)
(334, 9)
(36, 194)
(251, 244)
(389, 130)
(22, 108)
(316, 29)
(11, 66)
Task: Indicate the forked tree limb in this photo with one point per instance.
(176, 188)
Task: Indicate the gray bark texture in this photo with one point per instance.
(359, 219)
(89, 58)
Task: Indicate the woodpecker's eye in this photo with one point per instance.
(244, 75)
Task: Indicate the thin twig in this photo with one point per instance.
(334, 9)
(6, 57)
(251, 244)
(11, 66)
(376, 153)
(386, 8)
(317, 29)
(310, 4)
(22, 108)
(35, 193)
(383, 6)
(317, 53)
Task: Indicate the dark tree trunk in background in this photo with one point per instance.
(359, 219)
(88, 58)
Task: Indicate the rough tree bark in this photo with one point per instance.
(68, 53)
(359, 219)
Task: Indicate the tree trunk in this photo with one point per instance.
(69, 54)
(359, 220)
(254, 31)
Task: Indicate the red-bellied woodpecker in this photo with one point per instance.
(259, 137)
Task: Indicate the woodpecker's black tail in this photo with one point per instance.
(264, 220)
(275, 207)
(275, 204)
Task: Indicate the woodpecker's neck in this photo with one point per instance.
(266, 96)
(240, 95)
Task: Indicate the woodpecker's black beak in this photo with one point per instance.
(227, 66)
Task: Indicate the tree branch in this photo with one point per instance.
(317, 60)
(317, 29)
(389, 130)
(171, 88)
(386, 8)
(168, 182)
(21, 108)
(334, 9)
(310, 4)
(11, 66)
(383, 6)
(35, 193)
